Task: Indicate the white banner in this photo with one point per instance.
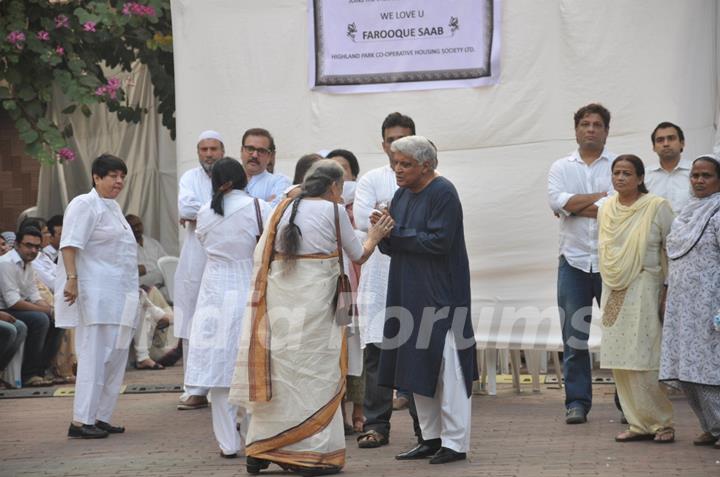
(359, 46)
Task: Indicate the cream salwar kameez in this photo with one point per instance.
(631, 249)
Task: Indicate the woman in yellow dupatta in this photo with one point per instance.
(632, 227)
(292, 362)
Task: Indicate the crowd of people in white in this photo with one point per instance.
(266, 332)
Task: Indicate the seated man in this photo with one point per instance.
(149, 251)
(20, 297)
(12, 335)
(44, 265)
(152, 318)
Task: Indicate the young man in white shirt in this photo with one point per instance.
(20, 298)
(576, 185)
(670, 178)
(258, 151)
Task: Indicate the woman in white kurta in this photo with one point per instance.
(97, 272)
(632, 228)
(292, 363)
(227, 228)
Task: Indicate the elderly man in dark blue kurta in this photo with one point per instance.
(429, 345)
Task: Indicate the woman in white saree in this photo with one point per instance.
(291, 367)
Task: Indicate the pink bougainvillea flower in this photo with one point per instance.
(137, 9)
(110, 89)
(42, 35)
(89, 26)
(59, 50)
(16, 38)
(62, 21)
(65, 153)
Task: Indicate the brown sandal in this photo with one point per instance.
(664, 436)
(705, 439)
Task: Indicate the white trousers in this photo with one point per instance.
(191, 390)
(224, 421)
(102, 354)
(144, 336)
(447, 414)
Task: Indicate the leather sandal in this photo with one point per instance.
(372, 439)
(705, 439)
(664, 436)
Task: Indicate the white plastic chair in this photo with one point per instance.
(167, 266)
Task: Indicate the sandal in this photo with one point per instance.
(629, 436)
(664, 436)
(372, 439)
(705, 439)
(153, 367)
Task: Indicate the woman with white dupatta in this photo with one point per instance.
(292, 363)
(227, 228)
(632, 226)
(691, 341)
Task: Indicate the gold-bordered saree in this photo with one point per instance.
(292, 362)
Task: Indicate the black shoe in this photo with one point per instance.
(86, 431)
(228, 456)
(109, 428)
(445, 455)
(575, 415)
(255, 465)
(421, 451)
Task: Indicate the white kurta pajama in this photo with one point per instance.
(105, 311)
(194, 191)
(229, 242)
(376, 186)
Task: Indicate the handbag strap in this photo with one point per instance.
(338, 236)
(258, 216)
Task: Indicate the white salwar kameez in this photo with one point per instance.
(105, 312)
(194, 191)
(377, 186)
(447, 414)
(229, 242)
(268, 187)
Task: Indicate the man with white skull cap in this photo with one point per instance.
(194, 191)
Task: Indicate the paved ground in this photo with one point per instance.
(512, 435)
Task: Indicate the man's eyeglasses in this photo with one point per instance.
(31, 245)
(261, 151)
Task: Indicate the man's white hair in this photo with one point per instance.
(418, 148)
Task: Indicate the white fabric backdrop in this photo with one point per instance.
(243, 64)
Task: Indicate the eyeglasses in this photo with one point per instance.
(261, 151)
(31, 245)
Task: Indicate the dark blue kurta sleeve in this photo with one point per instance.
(443, 212)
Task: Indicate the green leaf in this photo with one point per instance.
(4, 92)
(70, 109)
(33, 148)
(29, 136)
(9, 105)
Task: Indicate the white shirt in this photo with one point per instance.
(578, 235)
(148, 255)
(673, 186)
(51, 252)
(377, 185)
(17, 281)
(45, 268)
(194, 191)
(106, 264)
(266, 185)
